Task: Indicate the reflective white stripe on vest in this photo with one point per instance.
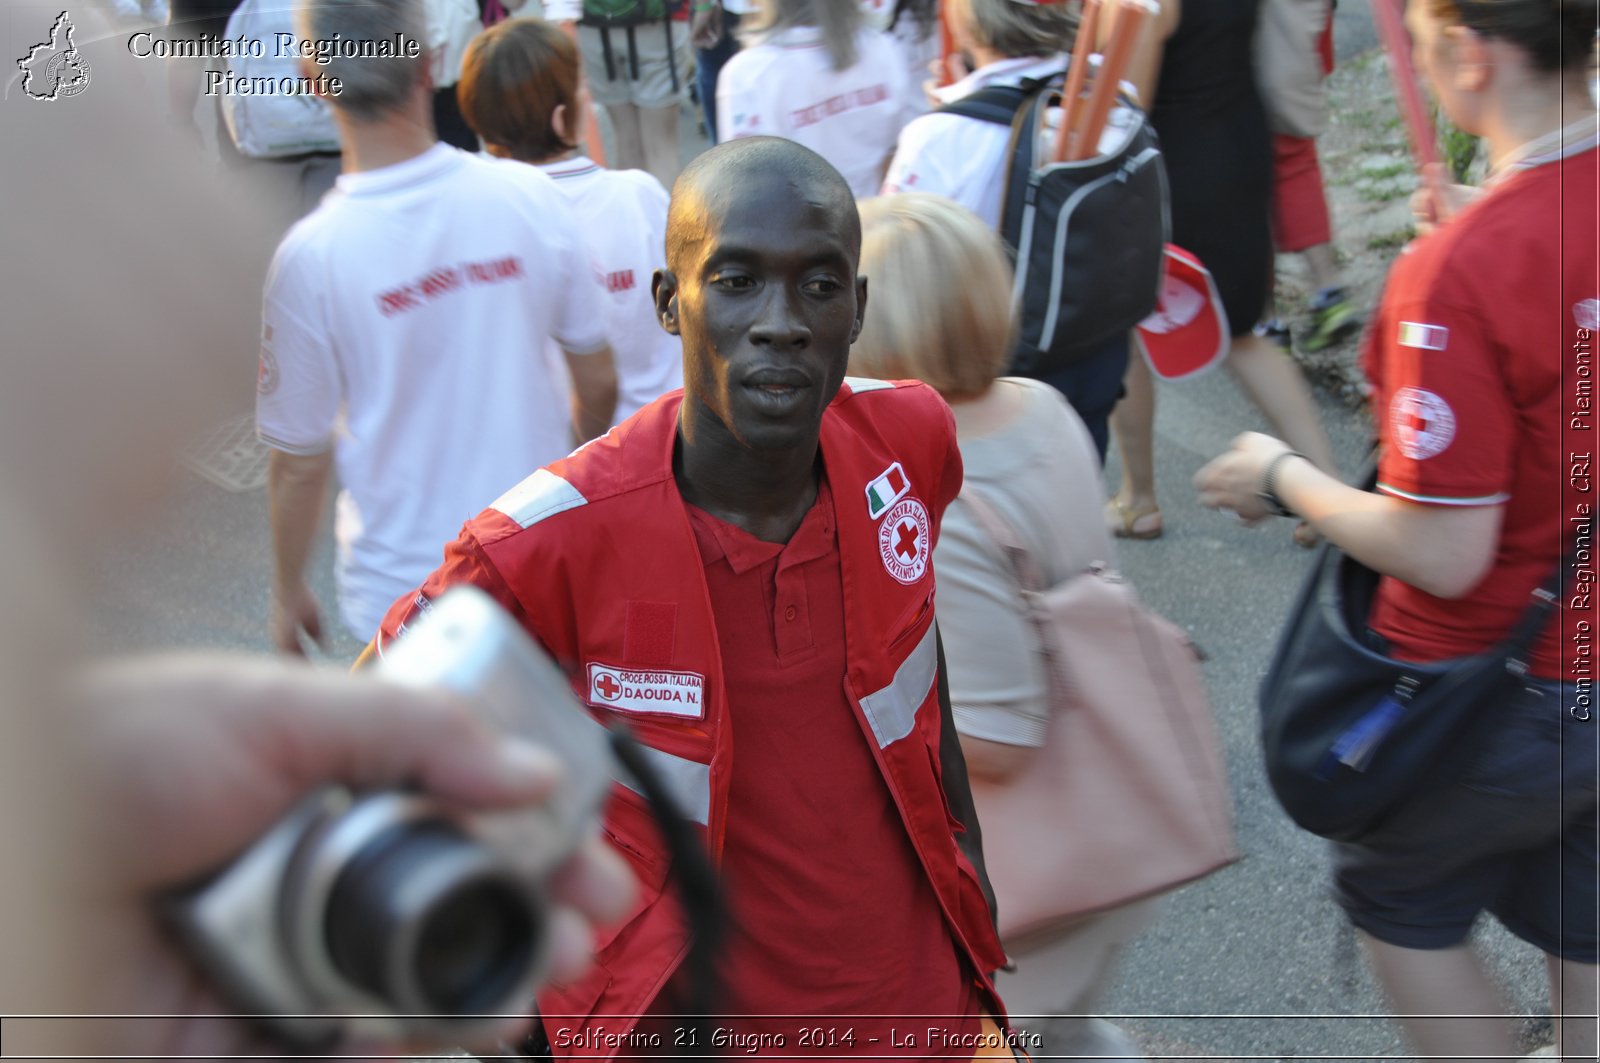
(688, 781)
(544, 494)
(858, 384)
(892, 711)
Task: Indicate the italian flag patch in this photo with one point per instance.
(1425, 337)
(890, 486)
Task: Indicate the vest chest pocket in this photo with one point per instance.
(631, 831)
(908, 624)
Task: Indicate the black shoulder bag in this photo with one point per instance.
(1349, 733)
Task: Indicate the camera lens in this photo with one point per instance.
(429, 921)
(472, 947)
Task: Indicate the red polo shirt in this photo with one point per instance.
(831, 913)
(1482, 358)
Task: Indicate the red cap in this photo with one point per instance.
(1187, 333)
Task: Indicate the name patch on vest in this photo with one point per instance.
(662, 693)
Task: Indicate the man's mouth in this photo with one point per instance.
(776, 381)
(777, 390)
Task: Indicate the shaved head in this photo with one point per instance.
(763, 286)
(717, 179)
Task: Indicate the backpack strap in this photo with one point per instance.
(1014, 106)
(1006, 538)
(997, 104)
(1020, 153)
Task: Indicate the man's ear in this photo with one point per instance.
(558, 123)
(861, 308)
(664, 290)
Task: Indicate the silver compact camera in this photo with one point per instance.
(385, 915)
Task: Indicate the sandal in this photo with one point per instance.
(1125, 522)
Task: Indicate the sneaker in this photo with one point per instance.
(1332, 319)
(1277, 332)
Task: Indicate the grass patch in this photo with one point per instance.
(1385, 194)
(1392, 241)
(1460, 149)
(1386, 171)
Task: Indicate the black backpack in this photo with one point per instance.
(1087, 237)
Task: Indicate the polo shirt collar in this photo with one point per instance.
(1002, 72)
(1574, 138)
(812, 540)
(577, 166)
(415, 170)
(797, 37)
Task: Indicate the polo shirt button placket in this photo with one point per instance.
(790, 613)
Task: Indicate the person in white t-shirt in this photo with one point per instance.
(812, 72)
(963, 158)
(403, 337)
(520, 92)
(966, 159)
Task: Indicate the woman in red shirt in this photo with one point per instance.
(1481, 356)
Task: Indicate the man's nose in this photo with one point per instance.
(781, 320)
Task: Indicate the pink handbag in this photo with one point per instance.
(1128, 797)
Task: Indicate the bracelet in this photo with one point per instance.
(1269, 485)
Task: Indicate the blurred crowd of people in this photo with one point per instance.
(643, 424)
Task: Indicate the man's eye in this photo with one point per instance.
(822, 286)
(733, 282)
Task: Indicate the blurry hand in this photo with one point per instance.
(294, 610)
(946, 70)
(1436, 200)
(198, 755)
(1234, 479)
(705, 29)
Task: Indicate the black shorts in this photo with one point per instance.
(1516, 835)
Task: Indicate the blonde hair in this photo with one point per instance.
(939, 296)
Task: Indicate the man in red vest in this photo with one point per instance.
(742, 572)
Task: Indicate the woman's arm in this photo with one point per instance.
(997, 681)
(1144, 68)
(1444, 550)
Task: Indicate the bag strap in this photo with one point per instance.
(1005, 537)
(995, 104)
(1019, 155)
(1014, 106)
(1541, 601)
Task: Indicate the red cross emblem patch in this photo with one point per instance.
(904, 540)
(1421, 423)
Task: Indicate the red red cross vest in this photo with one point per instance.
(596, 556)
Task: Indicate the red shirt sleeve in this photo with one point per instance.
(1442, 411)
(464, 562)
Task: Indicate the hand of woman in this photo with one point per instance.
(705, 28)
(1235, 479)
(1436, 200)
